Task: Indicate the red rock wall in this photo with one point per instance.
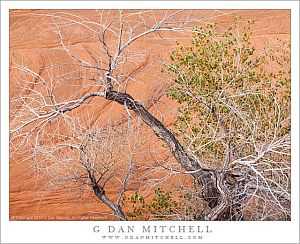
(32, 41)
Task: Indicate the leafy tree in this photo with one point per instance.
(161, 207)
(234, 113)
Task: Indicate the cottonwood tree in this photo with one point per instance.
(102, 159)
(234, 115)
(234, 140)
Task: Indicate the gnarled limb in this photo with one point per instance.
(204, 176)
(100, 193)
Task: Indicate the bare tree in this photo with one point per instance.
(40, 115)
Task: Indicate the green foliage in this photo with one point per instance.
(229, 92)
(159, 208)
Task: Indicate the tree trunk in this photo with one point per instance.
(99, 192)
(204, 177)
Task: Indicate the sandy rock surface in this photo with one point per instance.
(33, 42)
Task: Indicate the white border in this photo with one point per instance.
(80, 231)
(146, 4)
